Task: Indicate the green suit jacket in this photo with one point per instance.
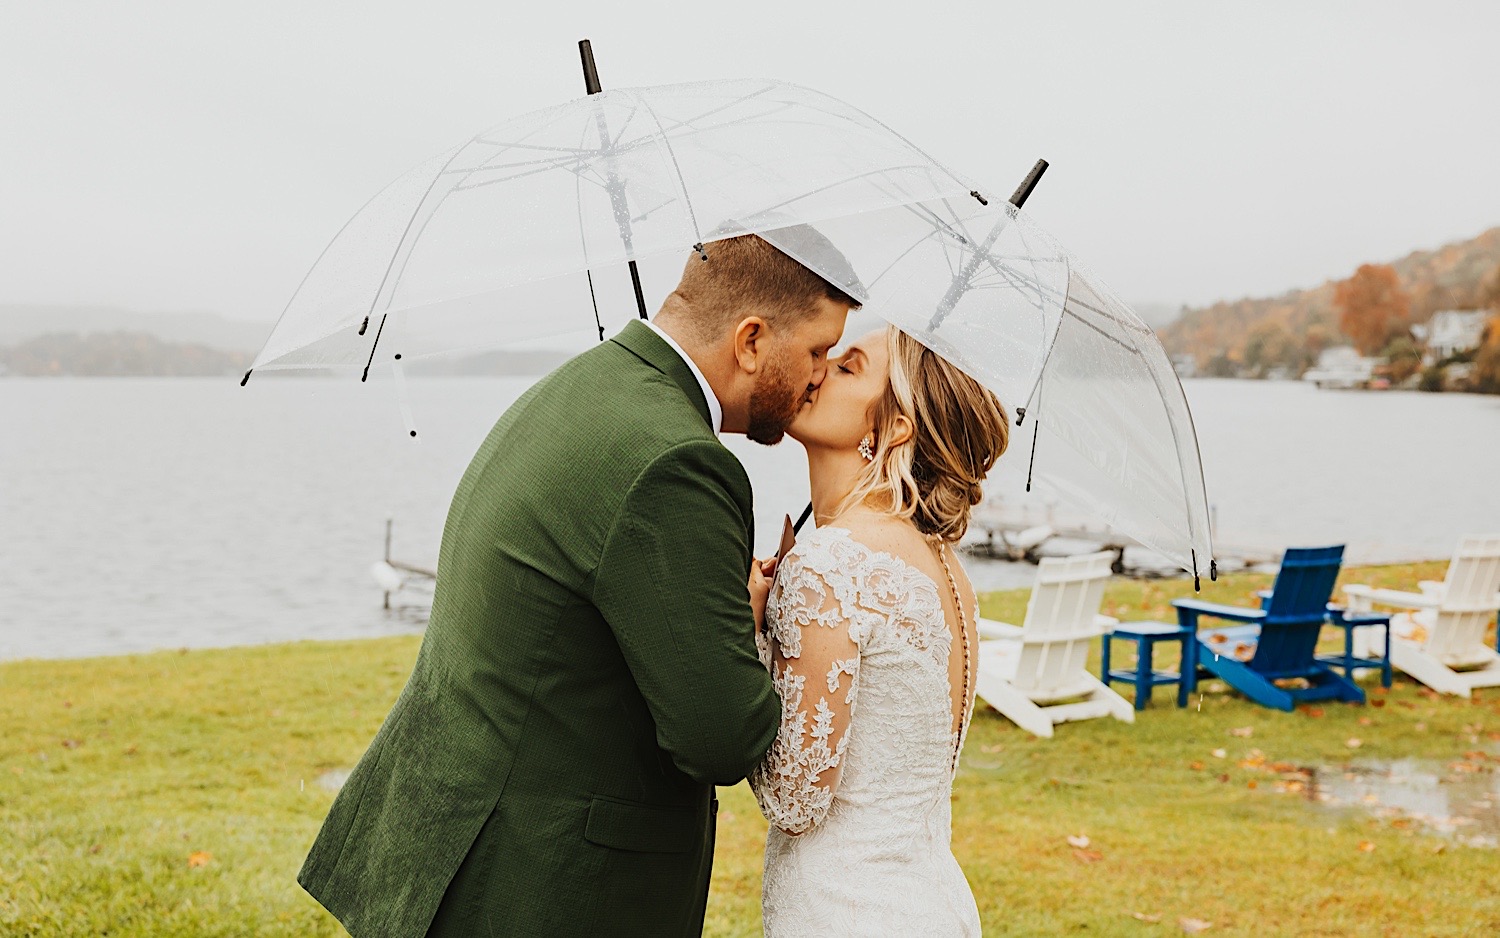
(587, 676)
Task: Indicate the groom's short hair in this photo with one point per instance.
(748, 273)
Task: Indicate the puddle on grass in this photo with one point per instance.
(1458, 799)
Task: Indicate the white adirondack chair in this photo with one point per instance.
(1035, 674)
(1440, 642)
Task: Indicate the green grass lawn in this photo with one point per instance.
(176, 793)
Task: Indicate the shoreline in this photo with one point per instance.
(1006, 605)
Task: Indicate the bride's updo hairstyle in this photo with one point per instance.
(959, 430)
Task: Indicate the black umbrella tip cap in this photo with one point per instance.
(246, 380)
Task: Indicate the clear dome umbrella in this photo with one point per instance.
(498, 241)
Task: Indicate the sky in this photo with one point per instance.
(198, 155)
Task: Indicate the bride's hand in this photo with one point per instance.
(761, 572)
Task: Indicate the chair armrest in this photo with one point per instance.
(992, 629)
(1219, 611)
(1264, 596)
(1395, 598)
(1437, 587)
(1107, 623)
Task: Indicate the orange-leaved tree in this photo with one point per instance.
(1373, 309)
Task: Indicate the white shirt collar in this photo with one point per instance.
(715, 410)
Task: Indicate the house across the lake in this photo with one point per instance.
(1450, 331)
(1342, 367)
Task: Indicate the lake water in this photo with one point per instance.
(138, 514)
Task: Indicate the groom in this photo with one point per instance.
(589, 670)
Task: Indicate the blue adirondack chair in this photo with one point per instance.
(1279, 639)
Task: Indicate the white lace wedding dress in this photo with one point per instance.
(862, 769)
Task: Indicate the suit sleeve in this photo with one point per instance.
(671, 585)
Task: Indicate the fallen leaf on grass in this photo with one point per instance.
(1420, 727)
(1313, 712)
(95, 848)
(199, 858)
(1250, 784)
(1377, 703)
(1081, 841)
(1087, 856)
(1218, 753)
(1196, 766)
(1244, 732)
(995, 748)
(71, 744)
(1224, 777)
(1366, 846)
(1354, 742)
(1366, 721)
(1194, 925)
(1148, 919)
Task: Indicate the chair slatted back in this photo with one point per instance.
(1468, 597)
(1297, 609)
(1059, 625)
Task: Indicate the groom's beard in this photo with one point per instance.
(774, 404)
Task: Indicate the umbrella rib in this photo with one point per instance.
(677, 172)
(406, 236)
(840, 182)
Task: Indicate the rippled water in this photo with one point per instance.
(149, 513)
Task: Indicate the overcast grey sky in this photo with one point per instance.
(198, 155)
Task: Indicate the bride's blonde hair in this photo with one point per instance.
(959, 430)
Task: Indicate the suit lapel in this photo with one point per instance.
(650, 348)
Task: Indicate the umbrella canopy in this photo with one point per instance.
(489, 244)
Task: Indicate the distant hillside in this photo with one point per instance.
(117, 354)
(21, 322)
(1227, 335)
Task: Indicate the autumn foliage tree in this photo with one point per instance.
(1373, 309)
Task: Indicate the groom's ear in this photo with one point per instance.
(750, 338)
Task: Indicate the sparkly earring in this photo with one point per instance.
(867, 448)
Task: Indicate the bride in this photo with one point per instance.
(871, 640)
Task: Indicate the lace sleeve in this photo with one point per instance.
(813, 657)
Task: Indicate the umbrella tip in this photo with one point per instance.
(982, 199)
(702, 254)
(245, 380)
(364, 325)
